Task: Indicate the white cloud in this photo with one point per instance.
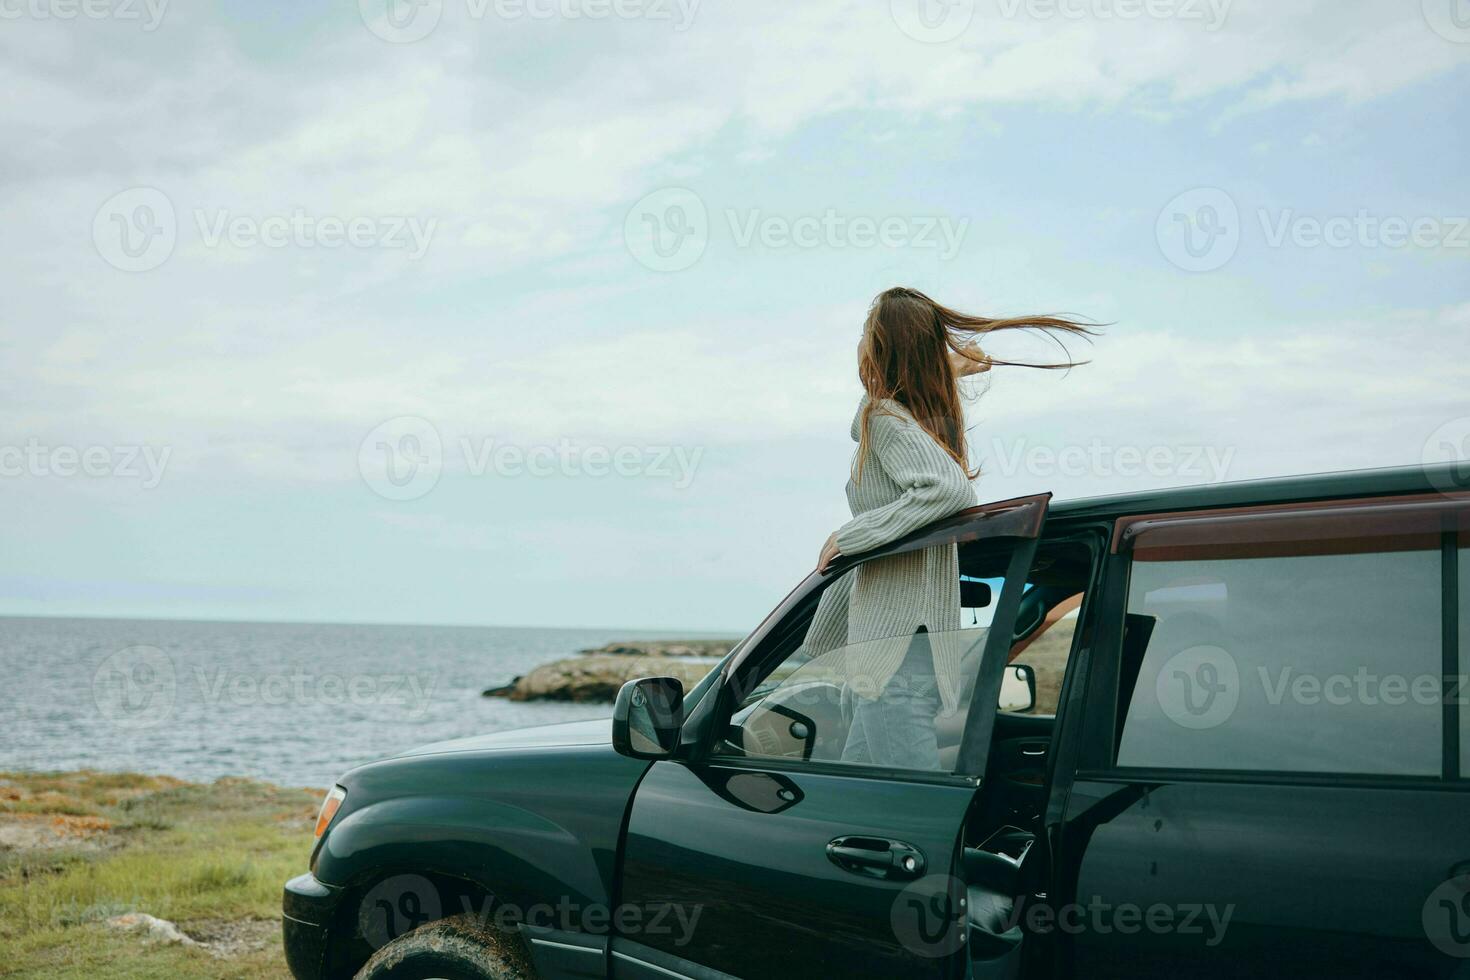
(1319, 395)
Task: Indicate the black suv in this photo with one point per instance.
(1211, 732)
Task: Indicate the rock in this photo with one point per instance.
(230, 939)
(155, 930)
(503, 691)
(663, 648)
(597, 677)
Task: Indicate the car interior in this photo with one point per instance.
(1000, 862)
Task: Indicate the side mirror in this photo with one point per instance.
(1018, 688)
(647, 718)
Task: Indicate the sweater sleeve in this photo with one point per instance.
(828, 630)
(934, 485)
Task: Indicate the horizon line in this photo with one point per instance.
(693, 633)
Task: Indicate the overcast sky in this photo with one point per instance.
(544, 311)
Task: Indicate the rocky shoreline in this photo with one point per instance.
(662, 648)
(598, 673)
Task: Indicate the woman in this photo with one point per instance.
(911, 468)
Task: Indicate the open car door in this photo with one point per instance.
(764, 860)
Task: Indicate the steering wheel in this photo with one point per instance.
(776, 728)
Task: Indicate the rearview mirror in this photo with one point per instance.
(647, 717)
(1018, 688)
(974, 594)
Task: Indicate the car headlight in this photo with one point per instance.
(329, 809)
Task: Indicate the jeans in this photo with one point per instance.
(896, 729)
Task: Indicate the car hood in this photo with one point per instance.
(596, 731)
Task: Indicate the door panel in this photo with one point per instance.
(1299, 881)
(745, 850)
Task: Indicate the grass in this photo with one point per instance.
(78, 848)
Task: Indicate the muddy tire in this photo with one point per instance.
(459, 948)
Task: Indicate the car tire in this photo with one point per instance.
(458, 948)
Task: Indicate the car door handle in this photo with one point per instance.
(876, 857)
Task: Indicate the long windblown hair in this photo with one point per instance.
(905, 357)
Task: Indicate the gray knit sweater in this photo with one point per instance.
(907, 481)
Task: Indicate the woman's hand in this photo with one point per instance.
(829, 553)
(968, 360)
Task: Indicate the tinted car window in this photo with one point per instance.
(1047, 655)
(1307, 663)
(806, 704)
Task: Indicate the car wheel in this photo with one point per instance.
(459, 948)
